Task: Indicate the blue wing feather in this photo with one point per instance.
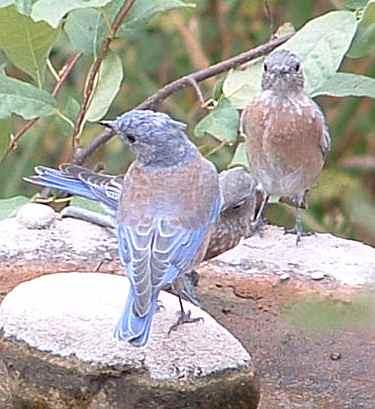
(166, 251)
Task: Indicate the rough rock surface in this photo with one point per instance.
(30, 248)
(318, 256)
(59, 352)
(248, 291)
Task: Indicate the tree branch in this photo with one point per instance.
(155, 100)
(62, 75)
(94, 70)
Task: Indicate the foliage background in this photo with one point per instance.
(181, 41)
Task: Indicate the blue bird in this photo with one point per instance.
(168, 207)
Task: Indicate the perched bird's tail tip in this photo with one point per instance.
(131, 327)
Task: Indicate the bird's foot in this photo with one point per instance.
(184, 318)
(299, 233)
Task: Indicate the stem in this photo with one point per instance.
(94, 70)
(52, 69)
(65, 118)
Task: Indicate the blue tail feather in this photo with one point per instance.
(133, 328)
(56, 179)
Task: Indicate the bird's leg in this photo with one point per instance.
(298, 227)
(184, 317)
(258, 224)
(185, 287)
(188, 288)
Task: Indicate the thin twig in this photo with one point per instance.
(62, 76)
(65, 71)
(155, 100)
(198, 91)
(94, 70)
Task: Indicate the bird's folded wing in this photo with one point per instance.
(325, 140)
(154, 254)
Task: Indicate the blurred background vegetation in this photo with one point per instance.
(179, 42)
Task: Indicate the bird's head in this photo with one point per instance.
(282, 73)
(152, 136)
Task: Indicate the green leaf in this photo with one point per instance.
(6, 130)
(87, 204)
(3, 62)
(109, 83)
(240, 86)
(24, 99)
(53, 11)
(69, 109)
(355, 4)
(24, 6)
(240, 156)
(6, 3)
(144, 10)
(364, 39)
(221, 123)
(85, 30)
(322, 44)
(27, 44)
(344, 84)
(8, 207)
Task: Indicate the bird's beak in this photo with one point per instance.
(108, 124)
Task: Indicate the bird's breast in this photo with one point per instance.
(283, 140)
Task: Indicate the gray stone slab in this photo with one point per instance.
(70, 317)
(320, 255)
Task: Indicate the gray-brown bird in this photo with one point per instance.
(286, 134)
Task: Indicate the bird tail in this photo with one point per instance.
(58, 179)
(132, 327)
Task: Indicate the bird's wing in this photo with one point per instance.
(325, 140)
(82, 182)
(156, 251)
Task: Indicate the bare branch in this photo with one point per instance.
(155, 100)
(94, 70)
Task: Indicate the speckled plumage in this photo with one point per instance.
(239, 193)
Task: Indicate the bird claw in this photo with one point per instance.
(184, 318)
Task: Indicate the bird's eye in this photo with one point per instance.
(130, 138)
(265, 67)
(297, 66)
